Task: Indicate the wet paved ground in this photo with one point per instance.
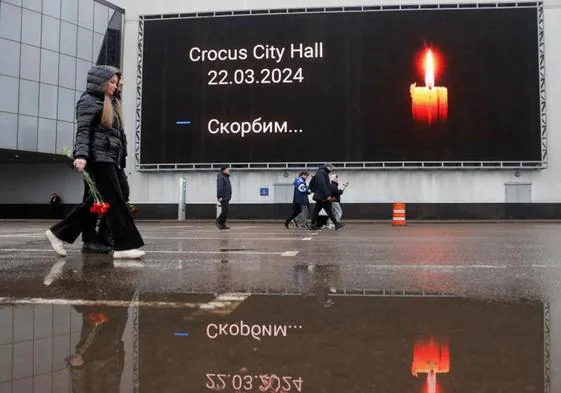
(465, 307)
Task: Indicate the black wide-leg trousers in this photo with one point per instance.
(121, 223)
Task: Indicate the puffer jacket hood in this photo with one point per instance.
(98, 76)
(94, 141)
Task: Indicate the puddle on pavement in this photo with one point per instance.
(259, 343)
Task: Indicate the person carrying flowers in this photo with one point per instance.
(97, 154)
(97, 238)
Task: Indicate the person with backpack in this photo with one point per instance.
(320, 186)
(300, 200)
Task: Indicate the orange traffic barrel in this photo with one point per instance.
(399, 214)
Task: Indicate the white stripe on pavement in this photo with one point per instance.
(290, 253)
(223, 304)
(284, 254)
(437, 266)
(19, 236)
(84, 302)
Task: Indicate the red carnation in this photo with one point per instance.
(97, 318)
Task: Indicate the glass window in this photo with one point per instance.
(67, 72)
(68, 38)
(51, 8)
(6, 386)
(34, 5)
(9, 98)
(66, 104)
(43, 354)
(9, 60)
(86, 14)
(6, 350)
(23, 352)
(61, 326)
(82, 74)
(23, 324)
(7, 330)
(51, 33)
(97, 46)
(46, 137)
(31, 33)
(41, 348)
(111, 50)
(49, 67)
(30, 60)
(9, 134)
(27, 137)
(47, 101)
(64, 135)
(61, 382)
(101, 19)
(77, 96)
(85, 42)
(10, 21)
(70, 11)
(28, 97)
(14, 2)
(23, 385)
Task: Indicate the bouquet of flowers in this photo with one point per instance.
(133, 209)
(99, 207)
(97, 318)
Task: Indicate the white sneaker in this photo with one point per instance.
(56, 243)
(128, 254)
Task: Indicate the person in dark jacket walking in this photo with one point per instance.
(99, 149)
(300, 200)
(224, 195)
(322, 197)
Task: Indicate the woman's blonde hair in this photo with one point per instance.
(107, 112)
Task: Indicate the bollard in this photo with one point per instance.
(181, 209)
(399, 214)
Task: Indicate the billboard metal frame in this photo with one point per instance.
(349, 165)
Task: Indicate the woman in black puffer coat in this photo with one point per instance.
(99, 150)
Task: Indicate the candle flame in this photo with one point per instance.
(429, 70)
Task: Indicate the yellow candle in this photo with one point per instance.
(429, 104)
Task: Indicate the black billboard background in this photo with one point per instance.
(354, 104)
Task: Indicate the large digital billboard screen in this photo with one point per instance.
(371, 86)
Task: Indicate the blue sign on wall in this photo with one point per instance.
(264, 191)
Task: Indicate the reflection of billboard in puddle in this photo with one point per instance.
(431, 357)
(277, 344)
(359, 344)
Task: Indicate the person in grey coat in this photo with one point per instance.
(224, 195)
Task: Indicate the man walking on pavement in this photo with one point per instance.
(224, 195)
(322, 196)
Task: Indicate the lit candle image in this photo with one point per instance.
(431, 357)
(429, 104)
